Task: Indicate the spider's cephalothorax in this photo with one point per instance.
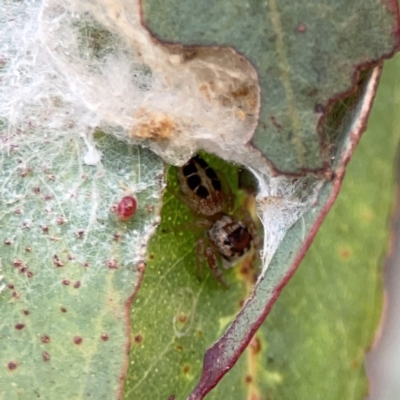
(227, 236)
(202, 188)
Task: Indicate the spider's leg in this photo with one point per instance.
(212, 262)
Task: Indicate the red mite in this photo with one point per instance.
(126, 208)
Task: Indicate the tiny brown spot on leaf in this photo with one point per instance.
(66, 282)
(27, 224)
(45, 356)
(301, 28)
(78, 340)
(151, 256)
(36, 190)
(241, 303)
(19, 326)
(45, 229)
(29, 274)
(112, 264)
(15, 295)
(25, 312)
(18, 263)
(70, 257)
(85, 264)
(80, 233)
(18, 211)
(28, 249)
(138, 339)
(182, 318)
(117, 236)
(48, 197)
(104, 337)
(179, 347)
(248, 379)
(63, 309)
(7, 242)
(60, 221)
(199, 333)
(12, 365)
(24, 172)
(77, 284)
(57, 262)
(186, 369)
(319, 108)
(345, 253)
(45, 339)
(10, 286)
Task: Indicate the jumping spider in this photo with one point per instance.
(227, 236)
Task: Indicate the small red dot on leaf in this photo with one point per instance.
(78, 340)
(112, 264)
(104, 337)
(126, 208)
(12, 365)
(45, 339)
(19, 326)
(45, 356)
(138, 339)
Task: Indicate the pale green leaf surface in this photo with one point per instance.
(305, 54)
(64, 327)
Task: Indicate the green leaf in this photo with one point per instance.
(305, 55)
(69, 267)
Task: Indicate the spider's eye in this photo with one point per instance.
(202, 192)
(193, 181)
(189, 169)
(203, 164)
(216, 185)
(211, 173)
